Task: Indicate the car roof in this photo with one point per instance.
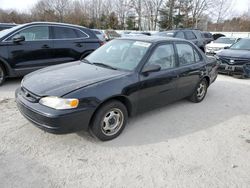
(52, 23)
(151, 39)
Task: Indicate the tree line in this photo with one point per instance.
(133, 14)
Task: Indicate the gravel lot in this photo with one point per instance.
(180, 145)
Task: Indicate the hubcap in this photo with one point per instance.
(201, 90)
(112, 122)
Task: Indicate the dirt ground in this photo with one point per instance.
(180, 145)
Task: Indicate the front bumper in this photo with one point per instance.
(243, 70)
(51, 120)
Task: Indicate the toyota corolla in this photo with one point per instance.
(122, 78)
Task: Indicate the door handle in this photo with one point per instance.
(45, 46)
(78, 45)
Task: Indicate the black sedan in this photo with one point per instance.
(236, 59)
(122, 78)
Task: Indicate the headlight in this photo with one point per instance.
(59, 103)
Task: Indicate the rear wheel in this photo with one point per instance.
(2, 74)
(109, 120)
(200, 92)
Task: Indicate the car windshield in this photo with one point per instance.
(120, 54)
(243, 44)
(6, 31)
(224, 40)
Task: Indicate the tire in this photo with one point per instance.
(2, 74)
(200, 92)
(109, 120)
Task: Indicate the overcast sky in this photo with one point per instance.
(239, 6)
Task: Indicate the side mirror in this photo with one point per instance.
(226, 47)
(151, 68)
(18, 38)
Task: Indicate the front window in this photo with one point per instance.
(164, 56)
(225, 40)
(243, 44)
(34, 33)
(120, 54)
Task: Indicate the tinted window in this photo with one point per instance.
(185, 53)
(65, 33)
(190, 35)
(34, 33)
(81, 34)
(180, 35)
(164, 56)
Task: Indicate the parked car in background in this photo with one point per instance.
(217, 35)
(100, 34)
(219, 44)
(194, 36)
(236, 59)
(111, 34)
(4, 26)
(120, 79)
(208, 37)
(28, 47)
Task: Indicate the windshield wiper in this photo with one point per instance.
(86, 61)
(104, 65)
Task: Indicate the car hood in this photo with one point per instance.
(241, 54)
(62, 79)
(217, 45)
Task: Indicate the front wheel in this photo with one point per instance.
(200, 92)
(2, 75)
(109, 120)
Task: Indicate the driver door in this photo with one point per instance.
(159, 88)
(32, 53)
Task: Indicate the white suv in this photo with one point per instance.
(219, 44)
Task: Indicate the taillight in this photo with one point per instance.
(101, 43)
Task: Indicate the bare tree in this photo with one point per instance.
(198, 8)
(152, 11)
(221, 9)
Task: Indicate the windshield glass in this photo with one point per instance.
(243, 44)
(6, 31)
(120, 54)
(224, 40)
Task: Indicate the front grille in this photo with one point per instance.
(29, 96)
(234, 61)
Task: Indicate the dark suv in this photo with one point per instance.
(28, 47)
(194, 36)
(4, 26)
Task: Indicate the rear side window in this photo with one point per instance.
(185, 54)
(65, 33)
(190, 35)
(180, 35)
(34, 33)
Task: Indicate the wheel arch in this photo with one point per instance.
(121, 98)
(5, 67)
(207, 79)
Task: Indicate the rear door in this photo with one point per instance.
(69, 43)
(159, 88)
(33, 53)
(191, 68)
